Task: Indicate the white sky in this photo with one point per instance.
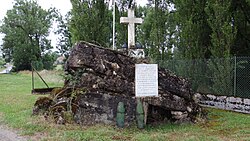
(63, 5)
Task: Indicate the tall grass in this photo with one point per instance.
(16, 104)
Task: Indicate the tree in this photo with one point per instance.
(240, 21)
(48, 60)
(209, 28)
(157, 31)
(91, 21)
(26, 27)
(121, 29)
(193, 31)
(223, 35)
(65, 38)
(222, 39)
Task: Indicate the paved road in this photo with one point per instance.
(8, 135)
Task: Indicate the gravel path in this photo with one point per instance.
(9, 135)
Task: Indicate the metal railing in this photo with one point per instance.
(218, 76)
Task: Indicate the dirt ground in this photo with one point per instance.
(9, 135)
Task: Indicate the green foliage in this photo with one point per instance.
(241, 26)
(65, 38)
(91, 21)
(46, 62)
(222, 76)
(212, 28)
(38, 65)
(26, 27)
(222, 35)
(193, 31)
(167, 24)
(48, 59)
(74, 80)
(197, 71)
(2, 62)
(157, 31)
(121, 29)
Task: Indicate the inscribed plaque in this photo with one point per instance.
(146, 80)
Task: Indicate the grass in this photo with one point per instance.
(16, 104)
(1, 68)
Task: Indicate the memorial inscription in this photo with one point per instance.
(146, 80)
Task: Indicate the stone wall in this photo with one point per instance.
(224, 102)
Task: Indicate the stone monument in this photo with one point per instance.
(101, 87)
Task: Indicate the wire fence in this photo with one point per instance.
(218, 76)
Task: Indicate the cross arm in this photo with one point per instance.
(127, 20)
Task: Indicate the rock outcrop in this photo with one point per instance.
(99, 78)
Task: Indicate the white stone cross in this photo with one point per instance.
(131, 20)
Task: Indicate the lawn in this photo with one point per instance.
(1, 68)
(16, 104)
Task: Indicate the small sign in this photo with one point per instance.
(146, 80)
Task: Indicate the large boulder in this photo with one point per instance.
(100, 78)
